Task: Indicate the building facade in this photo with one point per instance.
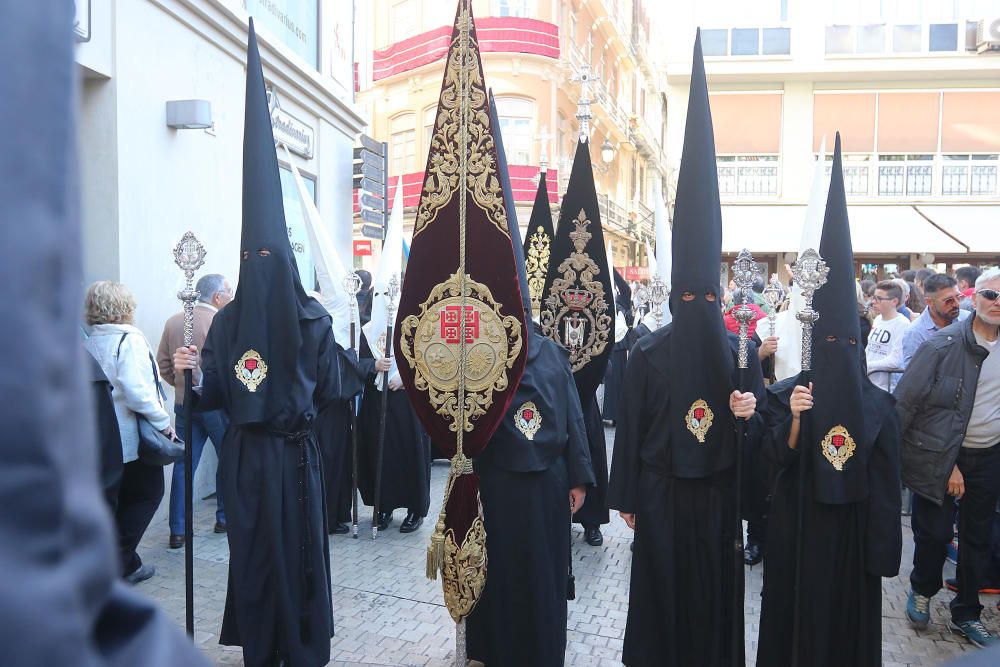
(914, 91)
(145, 183)
(534, 53)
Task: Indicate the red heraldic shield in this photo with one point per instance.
(461, 339)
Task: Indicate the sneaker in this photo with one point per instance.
(918, 610)
(975, 632)
(987, 589)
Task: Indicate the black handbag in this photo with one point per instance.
(155, 449)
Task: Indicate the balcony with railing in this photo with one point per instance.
(748, 176)
(925, 176)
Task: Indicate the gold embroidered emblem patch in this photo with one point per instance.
(838, 446)
(528, 420)
(450, 324)
(575, 313)
(251, 369)
(699, 419)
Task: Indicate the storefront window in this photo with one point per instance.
(295, 220)
(294, 22)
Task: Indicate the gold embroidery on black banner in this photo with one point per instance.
(537, 264)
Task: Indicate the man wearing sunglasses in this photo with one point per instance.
(943, 307)
(949, 406)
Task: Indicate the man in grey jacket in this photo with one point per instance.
(949, 408)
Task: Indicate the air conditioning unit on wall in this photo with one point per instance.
(988, 35)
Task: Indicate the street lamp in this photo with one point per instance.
(607, 152)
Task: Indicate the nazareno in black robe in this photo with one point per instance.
(614, 376)
(847, 548)
(278, 602)
(681, 594)
(333, 430)
(595, 508)
(406, 461)
(524, 484)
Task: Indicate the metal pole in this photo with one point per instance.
(809, 273)
(392, 291)
(745, 271)
(352, 285)
(189, 255)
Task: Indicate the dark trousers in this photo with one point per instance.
(932, 531)
(204, 426)
(139, 495)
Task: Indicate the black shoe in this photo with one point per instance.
(176, 541)
(752, 554)
(141, 573)
(411, 523)
(592, 534)
(340, 529)
(220, 527)
(384, 519)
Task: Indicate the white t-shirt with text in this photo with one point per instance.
(885, 350)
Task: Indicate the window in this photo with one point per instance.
(430, 115)
(777, 42)
(295, 219)
(715, 42)
(745, 41)
(911, 175)
(907, 38)
(748, 175)
(963, 175)
(403, 20)
(402, 144)
(514, 8)
(871, 38)
(839, 39)
(517, 119)
(944, 37)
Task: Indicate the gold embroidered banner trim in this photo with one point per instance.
(575, 312)
(432, 342)
(537, 265)
(444, 171)
(463, 573)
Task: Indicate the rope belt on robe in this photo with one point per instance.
(299, 439)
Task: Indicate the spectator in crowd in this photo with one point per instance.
(915, 302)
(124, 355)
(109, 439)
(864, 310)
(909, 275)
(214, 292)
(941, 296)
(949, 406)
(884, 351)
(966, 277)
(903, 308)
(922, 275)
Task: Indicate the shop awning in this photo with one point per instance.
(875, 230)
(974, 225)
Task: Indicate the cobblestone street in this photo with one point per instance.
(387, 613)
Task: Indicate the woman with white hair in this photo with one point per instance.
(124, 354)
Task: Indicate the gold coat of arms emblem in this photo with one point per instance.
(251, 369)
(699, 419)
(528, 420)
(838, 446)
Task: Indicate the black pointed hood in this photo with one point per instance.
(836, 423)
(700, 356)
(508, 197)
(263, 319)
(578, 309)
(539, 239)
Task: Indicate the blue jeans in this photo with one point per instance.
(211, 424)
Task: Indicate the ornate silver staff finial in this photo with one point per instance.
(585, 77)
(809, 273)
(745, 272)
(543, 159)
(189, 255)
(641, 295)
(352, 285)
(772, 297)
(391, 293)
(658, 293)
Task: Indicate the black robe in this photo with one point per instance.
(406, 461)
(595, 508)
(614, 376)
(847, 548)
(333, 430)
(524, 485)
(278, 602)
(681, 595)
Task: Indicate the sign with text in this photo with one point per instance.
(294, 22)
(362, 248)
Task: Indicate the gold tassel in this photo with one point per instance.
(435, 551)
